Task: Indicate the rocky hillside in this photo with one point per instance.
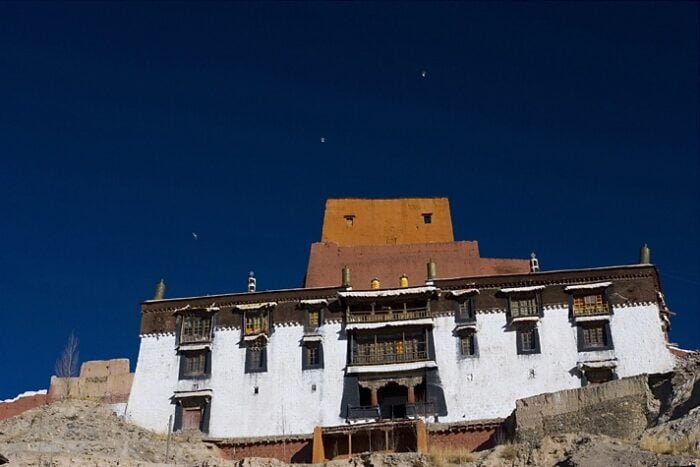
(83, 433)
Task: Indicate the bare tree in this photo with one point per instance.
(67, 363)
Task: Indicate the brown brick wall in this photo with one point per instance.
(387, 221)
(473, 439)
(297, 451)
(10, 409)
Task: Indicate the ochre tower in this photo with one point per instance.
(354, 222)
(387, 238)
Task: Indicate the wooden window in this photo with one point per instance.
(590, 304)
(195, 364)
(405, 347)
(524, 306)
(428, 218)
(467, 345)
(349, 220)
(257, 322)
(528, 340)
(192, 414)
(191, 418)
(195, 328)
(312, 355)
(465, 311)
(594, 336)
(314, 319)
(256, 359)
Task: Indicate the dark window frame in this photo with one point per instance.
(427, 218)
(474, 344)
(465, 310)
(536, 349)
(249, 354)
(306, 347)
(607, 336)
(307, 325)
(185, 354)
(266, 314)
(204, 404)
(182, 323)
(522, 297)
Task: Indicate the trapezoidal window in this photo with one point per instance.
(428, 218)
(195, 364)
(594, 335)
(528, 340)
(312, 355)
(349, 220)
(589, 304)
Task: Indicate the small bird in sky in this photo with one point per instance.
(195, 236)
(323, 139)
(423, 74)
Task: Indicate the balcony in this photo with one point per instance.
(391, 411)
(384, 316)
(389, 357)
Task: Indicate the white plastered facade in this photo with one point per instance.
(292, 401)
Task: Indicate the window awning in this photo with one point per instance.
(388, 292)
(597, 364)
(320, 301)
(465, 327)
(390, 367)
(193, 346)
(531, 288)
(596, 285)
(198, 393)
(255, 306)
(583, 319)
(312, 338)
(257, 336)
(462, 292)
(385, 324)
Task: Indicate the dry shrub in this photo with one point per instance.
(508, 452)
(443, 456)
(663, 445)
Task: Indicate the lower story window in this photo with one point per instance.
(594, 336)
(256, 359)
(528, 340)
(312, 355)
(192, 414)
(195, 364)
(467, 345)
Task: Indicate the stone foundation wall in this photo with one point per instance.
(21, 404)
(617, 408)
(473, 440)
(104, 380)
(296, 451)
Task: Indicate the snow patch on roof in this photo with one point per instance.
(387, 293)
(25, 394)
(596, 285)
(531, 288)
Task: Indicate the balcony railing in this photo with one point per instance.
(393, 357)
(391, 412)
(393, 315)
(591, 309)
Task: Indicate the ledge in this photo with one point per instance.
(383, 324)
(390, 367)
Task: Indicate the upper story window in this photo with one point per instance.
(428, 218)
(388, 311)
(312, 355)
(349, 220)
(314, 320)
(589, 304)
(257, 322)
(589, 299)
(256, 356)
(524, 306)
(467, 344)
(465, 311)
(389, 348)
(195, 328)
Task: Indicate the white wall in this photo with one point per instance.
(154, 383)
(487, 386)
(475, 388)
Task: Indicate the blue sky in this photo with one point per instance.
(570, 129)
